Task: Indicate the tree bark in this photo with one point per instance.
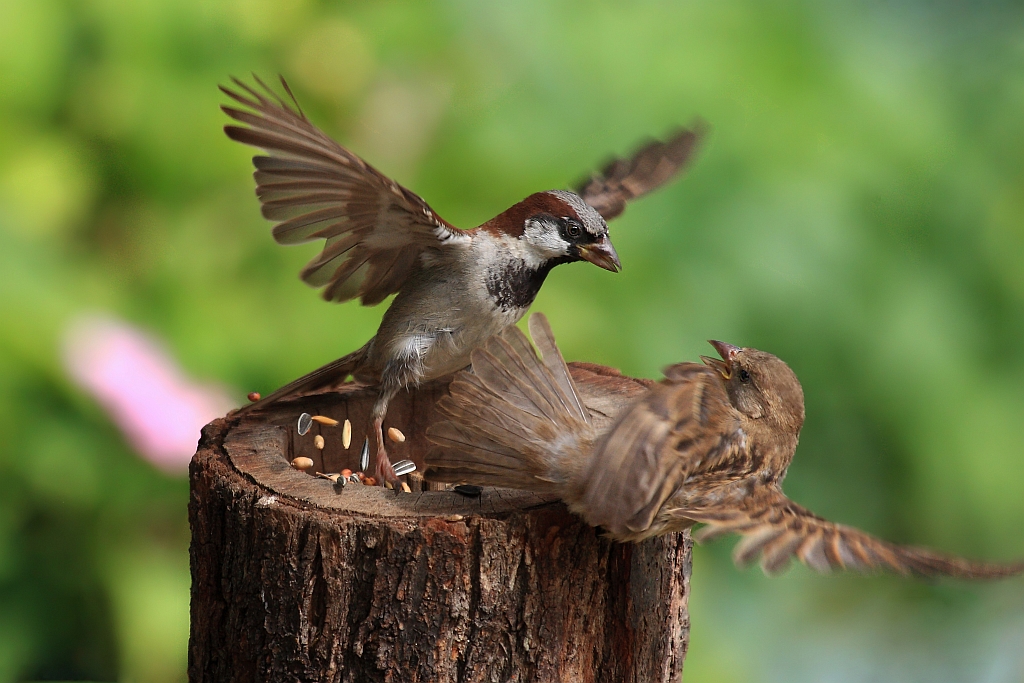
(297, 579)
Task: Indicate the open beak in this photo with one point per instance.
(601, 253)
(727, 352)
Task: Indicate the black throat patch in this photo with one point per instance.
(515, 285)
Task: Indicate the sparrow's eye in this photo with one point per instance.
(572, 228)
(744, 376)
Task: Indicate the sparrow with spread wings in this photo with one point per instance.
(709, 444)
(456, 288)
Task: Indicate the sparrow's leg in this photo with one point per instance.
(393, 380)
(383, 471)
(404, 370)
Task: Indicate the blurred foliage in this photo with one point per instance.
(858, 211)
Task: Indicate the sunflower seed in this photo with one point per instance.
(364, 456)
(469, 490)
(404, 467)
(305, 422)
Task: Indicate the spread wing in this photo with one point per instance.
(778, 529)
(376, 231)
(649, 168)
(679, 426)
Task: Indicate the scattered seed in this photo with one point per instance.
(388, 486)
(324, 420)
(330, 477)
(302, 463)
(370, 481)
(359, 475)
(318, 441)
(395, 435)
(405, 487)
(355, 479)
(469, 490)
(346, 472)
(346, 434)
(305, 422)
(364, 457)
(254, 396)
(404, 467)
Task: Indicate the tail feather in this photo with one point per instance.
(514, 420)
(540, 330)
(497, 367)
(327, 376)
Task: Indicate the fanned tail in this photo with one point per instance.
(515, 420)
(327, 376)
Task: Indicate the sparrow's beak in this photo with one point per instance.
(727, 352)
(601, 253)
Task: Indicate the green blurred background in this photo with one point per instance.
(858, 210)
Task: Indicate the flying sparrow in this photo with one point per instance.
(455, 287)
(708, 444)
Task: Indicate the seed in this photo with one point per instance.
(388, 486)
(324, 420)
(346, 472)
(330, 477)
(346, 435)
(302, 463)
(318, 441)
(254, 396)
(405, 487)
(468, 490)
(370, 481)
(404, 467)
(395, 435)
(364, 456)
(305, 422)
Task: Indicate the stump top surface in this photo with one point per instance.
(261, 444)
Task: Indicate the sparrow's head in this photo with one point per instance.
(558, 226)
(760, 385)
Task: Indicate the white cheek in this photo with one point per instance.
(543, 242)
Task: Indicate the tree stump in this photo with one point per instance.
(295, 578)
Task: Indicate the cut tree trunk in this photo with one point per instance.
(295, 578)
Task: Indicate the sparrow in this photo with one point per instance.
(711, 444)
(455, 288)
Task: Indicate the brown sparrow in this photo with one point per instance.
(708, 444)
(455, 287)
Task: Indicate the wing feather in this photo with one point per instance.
(647, 169)
(316, 189)
(778, 529)
(651, 447)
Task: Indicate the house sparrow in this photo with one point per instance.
(455, 287)
(708, 444)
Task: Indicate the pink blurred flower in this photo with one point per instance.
(145, 392)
